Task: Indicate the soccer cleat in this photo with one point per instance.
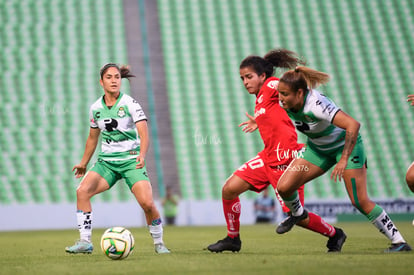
(80, 246)
(336, 242)
(230, 244)
(287, 224)
(398, 247)
(161, 249)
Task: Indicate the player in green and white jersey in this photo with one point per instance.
(125, 140)
(333, 141)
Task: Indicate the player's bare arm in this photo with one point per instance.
(142, 128)
(91, 143)
(351, 127)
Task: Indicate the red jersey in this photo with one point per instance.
(276, 129)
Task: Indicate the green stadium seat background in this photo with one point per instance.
(51, 52)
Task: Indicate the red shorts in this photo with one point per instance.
(260, 176)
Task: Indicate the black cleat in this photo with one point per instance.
(230, 244)
(287, 224)
(398, 247)
(336, 242)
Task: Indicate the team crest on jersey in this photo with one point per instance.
(121, 112)
(273, 84)
(260, 99)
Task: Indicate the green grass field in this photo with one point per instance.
(263, 252)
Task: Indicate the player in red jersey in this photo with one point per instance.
(281, 147)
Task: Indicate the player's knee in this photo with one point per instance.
(82, 193)
(283, 189)
(227, 191)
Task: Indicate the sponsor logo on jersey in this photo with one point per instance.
(121, 112)
(329, 108)
(260, 99)
(259, 112)
(273, 84)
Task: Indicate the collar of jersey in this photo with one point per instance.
(113, 106)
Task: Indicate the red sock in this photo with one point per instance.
(317, 224)
(232, 209)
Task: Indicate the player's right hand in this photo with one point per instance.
(80, 170)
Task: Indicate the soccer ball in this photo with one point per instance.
(117, 243)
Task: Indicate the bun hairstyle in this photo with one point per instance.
(123, 70)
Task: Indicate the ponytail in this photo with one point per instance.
(277, 58)
(304, 78)
(283, 58)
(313, 77)
(125, 72)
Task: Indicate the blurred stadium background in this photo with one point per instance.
(186, 54)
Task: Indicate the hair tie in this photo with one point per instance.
(297, 69)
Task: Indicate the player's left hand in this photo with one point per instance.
(339, 170)
(410, 98)
(249, 125)
(140, 162)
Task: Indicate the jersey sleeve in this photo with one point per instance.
(92, 122)
(325, 109)
(136, 111)
(271, 87)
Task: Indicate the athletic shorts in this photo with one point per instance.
(324, 160)
(112, 171)
(260, 176)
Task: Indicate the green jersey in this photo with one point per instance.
(315, 121)
(120, 140)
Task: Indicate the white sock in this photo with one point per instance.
(156, 232)
(294, 205)
(387, 227)
(84, 225)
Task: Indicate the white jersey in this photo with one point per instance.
(315, 121)
(120, 138)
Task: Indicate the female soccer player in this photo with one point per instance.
(281, 147)
(125, 141)
(333, 139)
(409, 176)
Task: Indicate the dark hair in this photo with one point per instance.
(123, 70)
(304, 78)
(277, 58)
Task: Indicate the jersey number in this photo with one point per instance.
(110, 124)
